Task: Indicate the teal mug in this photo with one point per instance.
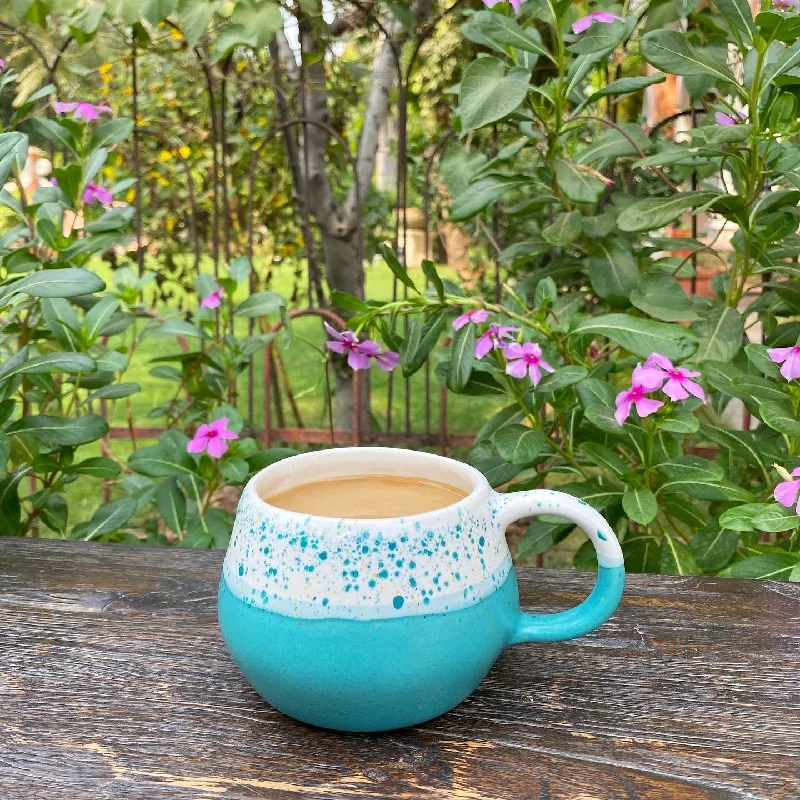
(373, 624)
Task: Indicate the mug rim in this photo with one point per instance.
(478, 494)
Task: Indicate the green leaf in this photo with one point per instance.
(768, 566)
(640, 505)
(578, 183)
(692, 467)
(155, 11)
(98, 315)
(611, 143)
(60, 431)
(114, 391)
(429, 269)
(399, 271)
(741, 518)
(661, 296)
(713, 547)
(194, 19)
(260, 304)
(54, 511)
(506, 31)
(97, 467)
(251, 25)
(425, 339)
(508, 415)
(482, 193)
(498, 471)
(519, 444)
(564, 230)
(48, 364)
(539, 537)
(602, 417)
(109, 517)
(597, 494)
(348, 302)
(561, 378)
(671, 52)
(171, 504)
(679, 422)
(613, 271)
(719, 331)
(60, 135)
(462, 357)
(624, 86)
(604, 457)
(738, 13)
(265, 458)
(111, 132)
(642, 552)
(592, 390)
(708, 490)
(780, 418)
(10, 508)
(67, 282)
(650, 213)
(162, 460)
(234, 470)
(599, 38)
(487, 95)
(640, 336)
(775, 518)
(676, 559)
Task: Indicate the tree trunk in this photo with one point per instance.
(345, 273)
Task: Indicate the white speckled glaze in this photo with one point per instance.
(308, 566)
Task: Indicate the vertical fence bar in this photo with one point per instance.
(137, 158)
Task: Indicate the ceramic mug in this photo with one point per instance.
(372, 624)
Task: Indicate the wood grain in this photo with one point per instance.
(114, 683)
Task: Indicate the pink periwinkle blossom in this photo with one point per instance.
(789, 357)
(526, 359)
(2, 64)
(213, 299)
(94, 193)
(359, 352)
(515, 4)
(584, 23)
(786, 491)
(722, 118)
(643, 381)
(786, 5)
(496, 336)
(211, 438)
(475, 316)
(81, 111)
(679, 384)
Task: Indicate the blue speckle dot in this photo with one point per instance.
(601, 535)
(323, 555)
(324, 601)
(241, 569)
(481, 541)
(398, 602)
(384, 573)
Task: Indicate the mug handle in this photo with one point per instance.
(605, 596)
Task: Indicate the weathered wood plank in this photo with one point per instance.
(114, 683)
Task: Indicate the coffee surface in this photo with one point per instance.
(365, 497)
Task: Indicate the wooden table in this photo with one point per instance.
(114, 683)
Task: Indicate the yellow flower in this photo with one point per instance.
(109, 172)
(140, 122)
(104, 69)
(106, 78)
(162, 181)
(299, 239)
(279, 201)
(127, 91)
(154, 87)
(165, 155)
(170, 223)
(152, 174)
(119, 159)
(241, 66)
(287, 250)
(176, 34)
(185, 151)
(130, 196)
(173, 103)
(262, 121)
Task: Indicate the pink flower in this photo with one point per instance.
(789, 357)
(476, 315)
(678, 385)
(2, 64)
(96, 194)
(635, 396)
(786, 492)
(727, 119)
(526, 359)
(214, 299)
(211, 437)
(358, 352)
(786, 5)
(493, 338)
(515, 4)
(584, 23)
(82, 110)
(54, 182)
